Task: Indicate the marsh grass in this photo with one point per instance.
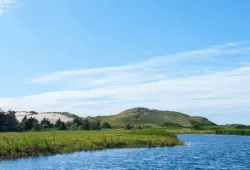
(241, 132)
(15, 144)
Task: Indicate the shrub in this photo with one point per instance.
(106, 125)
(62, 126)
(128, 127)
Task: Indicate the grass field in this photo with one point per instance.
(23, 144)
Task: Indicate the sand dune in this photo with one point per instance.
(52, 116)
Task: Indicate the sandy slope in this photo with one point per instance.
(52, 116)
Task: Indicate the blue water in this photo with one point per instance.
(200, 152)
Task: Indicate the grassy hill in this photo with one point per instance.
(153, 118)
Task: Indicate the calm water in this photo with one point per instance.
(201, 152)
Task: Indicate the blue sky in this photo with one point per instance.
(99, 57)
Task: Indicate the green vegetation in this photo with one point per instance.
(8, 121)
(171, 125)
(106, 125)
(241, 132)
(138, 127)
(15, 144)
(153, 118)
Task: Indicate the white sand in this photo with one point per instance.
(52, 116)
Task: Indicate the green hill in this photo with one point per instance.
(153, 118)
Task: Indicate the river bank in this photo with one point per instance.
(25, 144)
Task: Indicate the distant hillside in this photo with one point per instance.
(134, 116)
(52, 116)
(154, 118)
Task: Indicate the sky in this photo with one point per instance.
(100, 57)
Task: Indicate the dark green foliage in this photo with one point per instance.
(195, 125)
(242, 132)
(33, 112)
(24, 119)
(85, 125)
(236, 126)
(45, 123)
(128, 127)
(90, 125)
(8, 121)
(31, 123)
(70, 123)
(77, 121)
(201, 120)
(106, 125)
(137, 127)
(58, 123)
(172, 125)
(2, 120)
(72, 127)
(95, 125)
(63, 126)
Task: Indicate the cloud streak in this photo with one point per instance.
(5, 5)
(152, 66)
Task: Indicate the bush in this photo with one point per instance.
(195, 125)
(128, 127)
(171, 125)
(106, 125)
(63, 126)
(58, 123)
(45, 123)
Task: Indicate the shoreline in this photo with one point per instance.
(16, 145)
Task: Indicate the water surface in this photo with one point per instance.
(200, 152)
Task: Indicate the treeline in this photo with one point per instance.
(82, 124)
(9, 123)
(241, 132)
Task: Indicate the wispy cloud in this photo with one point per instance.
(155, 68)
(5, 5)
(197, 82)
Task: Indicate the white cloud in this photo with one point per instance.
(152, 84)
(5, 5)
(149, 69)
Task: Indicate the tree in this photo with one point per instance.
(46, 123)
(2, 120)
(31, 123)
(77, 121)
(85, 125)
(128, 127)
(36, 125)
(106, 125)
(21, 125)
(24, 119)
(62, 126)
(10, 121)
(95, 125)
(72, 127)
(196, 125)
(58, 123)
